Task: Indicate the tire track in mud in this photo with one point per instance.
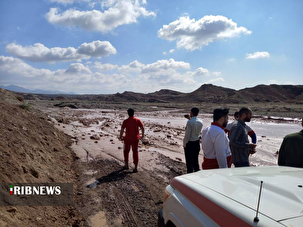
(128, 199)
(122, 197)
(126, 209)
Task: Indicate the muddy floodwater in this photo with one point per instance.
(269, 134)
(165, 131)
(111, 196)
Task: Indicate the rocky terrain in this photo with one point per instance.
(74, 139)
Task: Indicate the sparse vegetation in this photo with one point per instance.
(20, 98)
(25, 106)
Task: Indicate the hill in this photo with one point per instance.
(273, 93)
(211, 93)
(207, 93)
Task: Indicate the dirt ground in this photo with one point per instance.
(108, 195)
(34, 151)
(81, 146)
(111, 196)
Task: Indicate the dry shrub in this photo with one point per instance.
(20, 98)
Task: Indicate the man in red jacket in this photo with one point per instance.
(131, 138)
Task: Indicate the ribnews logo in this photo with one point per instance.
(33, 190)
(34, 194)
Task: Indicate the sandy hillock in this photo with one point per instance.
(10, 97)
(33, 151)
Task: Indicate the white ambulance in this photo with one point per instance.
(235, 197)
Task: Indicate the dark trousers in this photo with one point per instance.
(241, 164)
(192, 156)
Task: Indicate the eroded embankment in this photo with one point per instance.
(34, 151)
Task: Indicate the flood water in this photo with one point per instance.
(269, 134)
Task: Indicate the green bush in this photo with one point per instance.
(25, 106)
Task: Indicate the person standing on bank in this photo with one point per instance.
(249, 130)
(239, 143)
(215, 143)
(131, 139)
(291, 150)
(191, 141)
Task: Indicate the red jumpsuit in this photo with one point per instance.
(131, 138)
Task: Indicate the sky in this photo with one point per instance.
(110, 46)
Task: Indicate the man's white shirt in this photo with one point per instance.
(192, 130)
(215, 144)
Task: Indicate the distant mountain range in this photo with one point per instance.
(207, 93)
(36, 91)
(214, 94)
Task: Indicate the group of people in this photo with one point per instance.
(223, 143)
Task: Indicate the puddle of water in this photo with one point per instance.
(92, 182)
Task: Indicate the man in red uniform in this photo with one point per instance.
(131, 138)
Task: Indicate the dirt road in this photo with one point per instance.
(107, 195)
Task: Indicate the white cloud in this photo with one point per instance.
(273, 82)
(108, 3)
(15, 66)
(78, 68)
(40, 53)
(164, 65)
(191, 34)
(257, 55)
(14, 70)
(68, 1)
(216, 80)
(172, 51)
(134, 66)
(160, 66)
(97, 48)
(201, 72)
(164, 53)
(104, 78)
(216, 73)
(104, 67)
(120, 12)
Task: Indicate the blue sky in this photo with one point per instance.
(101, 47)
